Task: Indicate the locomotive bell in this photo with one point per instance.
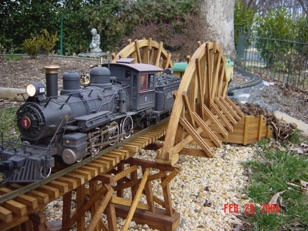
(100, 76)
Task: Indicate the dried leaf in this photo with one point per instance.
(304, 183)
(274, 199)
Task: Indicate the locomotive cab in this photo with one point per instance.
(140, 79)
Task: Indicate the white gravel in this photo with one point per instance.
(200, 190)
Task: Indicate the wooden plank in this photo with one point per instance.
(82, 209)
(86, 174)
(67, 204)
(80, 200)
(150, 164)
(124, 173)
(103, 163)
(167, 199)
(196, 137)
(158, 54)
(136, 199)
(61, 186)
(97, 166)
(137, 49)
(15, 222)
(261, 120)
(216, 123)
(239, 112)
(225, 110)
(146, 54)
(97, 216)
(52, 192)
(222, 117)
(207, 130)
(71, 182)
(43, 198)
(170, 177)
(200, 86)
(111, 216)
(92, 170)
(27, 200)
(215, 78)
(115, 157)
(178, 147)
(230, 109)
(5, 215)
(246, 130)
(188, 108)
(81, 179)
(193, 152)
(132, 148)
(128, 202)
(156, 220)
(112, 161)
(16, 207)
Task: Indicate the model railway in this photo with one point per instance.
(17, 199)
(107, 179)
(112, 101)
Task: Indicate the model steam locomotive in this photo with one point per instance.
(84, 119)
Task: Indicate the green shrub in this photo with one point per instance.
(32, 46)
(44, 42)
(274, 31)
(243, 20)
(48, 41)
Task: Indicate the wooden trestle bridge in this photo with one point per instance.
(202, 115)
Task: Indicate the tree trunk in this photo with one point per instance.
(219, 23)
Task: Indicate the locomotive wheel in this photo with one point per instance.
(127, 127)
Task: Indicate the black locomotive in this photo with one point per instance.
(84, 119)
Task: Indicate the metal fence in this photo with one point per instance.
(282, 60)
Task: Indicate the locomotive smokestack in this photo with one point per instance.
(51, 80)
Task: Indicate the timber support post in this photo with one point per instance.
(127, 192)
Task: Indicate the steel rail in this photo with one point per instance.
(254, 80)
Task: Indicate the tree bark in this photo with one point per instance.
(219, 23)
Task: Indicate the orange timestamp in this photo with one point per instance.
(250, 208)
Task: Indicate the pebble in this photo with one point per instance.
(199, 191)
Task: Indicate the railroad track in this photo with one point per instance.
(17, 201)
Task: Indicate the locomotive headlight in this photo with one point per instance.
(34, 89)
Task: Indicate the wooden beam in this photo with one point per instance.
(157, 220)
(80, 212)
(136, 199)
(196, 137)
(207, 130)
(101, 208)
(216, 123)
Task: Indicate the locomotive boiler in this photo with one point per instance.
(81, 120)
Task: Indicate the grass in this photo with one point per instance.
(13, 57)
(271, 174)
(7, 123)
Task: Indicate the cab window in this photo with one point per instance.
(151, 82)
(143, 83)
